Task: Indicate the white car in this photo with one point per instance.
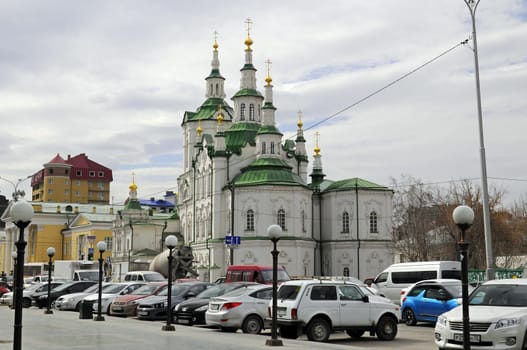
(319, 307)
(110, 293)
(73, 301)
(7, 298)
(497, 315)
(244, 308)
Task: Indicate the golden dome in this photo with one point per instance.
(248, 42)
(268, 80)
(199, 130)
(300, 124)
(220, 115)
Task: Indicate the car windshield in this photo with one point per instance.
(218, 290)
(62, 287)
(147, 289)
(34, 287)
(88, 275)
(113, 288)
(154, 277)
(500, 295)
(288, 292)
(93, 289)
(177, 289)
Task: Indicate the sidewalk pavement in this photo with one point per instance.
(64, 330)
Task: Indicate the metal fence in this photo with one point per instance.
(478, 276)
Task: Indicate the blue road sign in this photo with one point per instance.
(233, 240)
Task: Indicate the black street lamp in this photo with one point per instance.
(101, 246)
(464, 217)
(171, 243)
(51, 254)
(274, 232)
(21, 214)
(13, 255)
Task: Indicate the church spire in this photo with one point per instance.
(215, 81)
(317, 175)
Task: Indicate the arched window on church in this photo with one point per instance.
(346, 272)
(303, 217)
(263, 148)
(251, 112)
(250, 220)
(373, 222)
(345, 222)
(242, 111)
(217, 89)
(281, 219)
(272, 147)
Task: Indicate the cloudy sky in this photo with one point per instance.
(112, 79)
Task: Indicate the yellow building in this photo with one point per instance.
(72, 229)
(73, 180)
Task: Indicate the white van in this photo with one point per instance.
(145, 276)
(396, 277)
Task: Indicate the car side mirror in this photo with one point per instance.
(365, 299)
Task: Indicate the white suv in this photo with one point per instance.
(318, 307)
(497, 315)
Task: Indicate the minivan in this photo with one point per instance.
(146, 276)
(254, 273)
(394, 279)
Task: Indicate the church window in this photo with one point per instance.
(242, 111)
(251, 111)
(281, 219)
(250, 220)
(373, 222)
(272, 147)
(263, 148)
(303, 217)
(346, 272)
(345, 222)
(217, 89)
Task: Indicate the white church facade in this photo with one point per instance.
(240, 176)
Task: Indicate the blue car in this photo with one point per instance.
(426, 300)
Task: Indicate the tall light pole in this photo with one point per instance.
(101, 246)
(13, 255)
(171, 243)
(274, 232)
(21, 214)
(464, 217)
(51, 253)
(472, 6)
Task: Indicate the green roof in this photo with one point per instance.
(133, 204)
(354, 183)
(268, 171)
(248, 92)
(208, 110)
(269, 129)
(215, 73)
(239, 135)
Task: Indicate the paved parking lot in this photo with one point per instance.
(64, 330)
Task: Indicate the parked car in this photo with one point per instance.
(244, 308)
(155, 307)
(498, 318)
(426, 300)
(146, 276)
(40, 299)
(126, 305)
(318, 307)
(192, 311)
(73, 301)
(7, 298)
(109, 293)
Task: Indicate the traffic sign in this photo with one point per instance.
(232, 240)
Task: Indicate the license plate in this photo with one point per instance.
(183, 321)
(117, 308)
(280, 313)
(142, 313)
(474, 338)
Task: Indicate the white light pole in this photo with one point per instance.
(51, 254)
(472, 6)
(274, 232)
(21, 214)
(101, 246)
(171, 243)
(464, 217)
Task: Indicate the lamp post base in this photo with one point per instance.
(274, 342)
(168, 328)
(48, 312)
(98, 318)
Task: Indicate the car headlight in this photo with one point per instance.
(132, 302)
(160, 305)
(203, 308)
(442, 321)
(507, 322)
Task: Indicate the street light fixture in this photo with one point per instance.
(274, 232)
(51, 254)
(101, 246)
(464, 217)
(171, 243)
(21, 214)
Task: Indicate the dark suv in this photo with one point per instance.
(40, 299)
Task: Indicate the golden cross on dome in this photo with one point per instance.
(268, 79)
(249, 22)
(317, 149)
(215, 40)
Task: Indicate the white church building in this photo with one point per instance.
(240, 176)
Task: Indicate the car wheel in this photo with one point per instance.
(78, 306)
(318, 330)
(26, 302)
(355, 333)
(252, 325)
(409, 317)
(288, 332)
(386, 328)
